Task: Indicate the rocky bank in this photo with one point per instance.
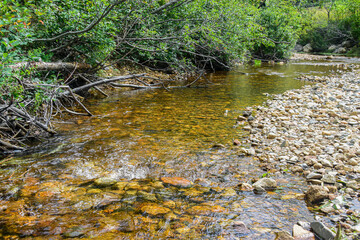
(315, 132)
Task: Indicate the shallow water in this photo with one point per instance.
(137, 137)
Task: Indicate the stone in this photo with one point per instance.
(332, 48)
(316, 194)
(154, 209)
(147, 196)
(240, 227)
(104, 182)
(322, 231)
(204, 210)
(299, 233)
(229, 192)
(237, 142)
(340, 50)
(246, 113)
(329, 178)
(176, 182)
(283, 236)
(125, 222)
(218, 145)
(314, 175)
(246, 187)
(307, 48)
(352, 184)
(265, 183)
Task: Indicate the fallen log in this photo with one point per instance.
(51, 66)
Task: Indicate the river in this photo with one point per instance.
(137, 137)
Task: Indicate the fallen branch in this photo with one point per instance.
(51, 66)
(101, 82)
(9, 145)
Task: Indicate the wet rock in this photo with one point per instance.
(322, 231)
(237, 142)
(240, 227)
(241, 118)
(125, 223)
(153, 209)
(246, 187)
(265, 183)
(218, 145)
(283, 236)
(176, 181)
(203, 182)
(119, 185)
(316, 194)
(183, 230)
(205, 210)
(75, 232)
(147, 196)
(299, 233)
(246, 113)
(229, 192)
(104, 182)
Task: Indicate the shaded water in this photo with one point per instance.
(139, 136)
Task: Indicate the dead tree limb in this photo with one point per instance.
(51, 66)
(101, 82)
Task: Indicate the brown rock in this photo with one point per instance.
(237, 142)
(316, 194)
(283, 236)
(204, 210)
(176, 181)
(154, 209)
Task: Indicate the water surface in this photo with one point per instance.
(137, 137)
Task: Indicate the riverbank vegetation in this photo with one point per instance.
(51, 50)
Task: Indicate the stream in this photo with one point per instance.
(144, 166)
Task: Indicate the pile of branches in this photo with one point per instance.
(20, 125)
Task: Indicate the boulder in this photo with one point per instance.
(332, 48)
(265, 183)
(322, 231)
(299, 233)
(316, 194)
(104, 182)
(340, 50)
(307, 48)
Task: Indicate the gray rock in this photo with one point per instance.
(265, 183)
(333, 48)
(314, 175)
(329, 178)
(307, 48)
(300, 233)
(322, 231)
(340, 50)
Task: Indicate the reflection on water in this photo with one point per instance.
(135, 138)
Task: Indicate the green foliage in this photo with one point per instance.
(281, 24)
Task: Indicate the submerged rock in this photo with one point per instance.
(154, 209)
(104, 182)
(176, 181)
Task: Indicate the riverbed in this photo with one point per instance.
(145, 166)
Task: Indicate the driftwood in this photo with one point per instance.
(51, 66)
